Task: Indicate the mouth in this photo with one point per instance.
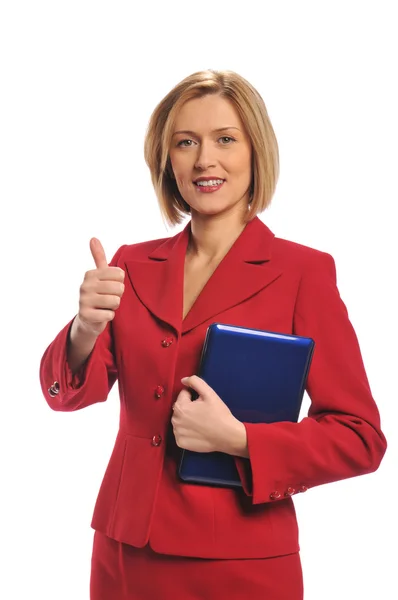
(208, 185)
(201, 181)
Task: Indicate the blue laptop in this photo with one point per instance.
(261, 376)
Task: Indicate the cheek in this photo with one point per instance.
(181, 164)
(181, 173)
(246, 171)
(240, 163)
(182, 181)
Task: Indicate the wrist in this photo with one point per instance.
(79, 345)
(236, 441)
(80, 331)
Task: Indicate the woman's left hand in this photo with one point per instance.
(206, 424)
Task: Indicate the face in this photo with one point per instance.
(210, 144)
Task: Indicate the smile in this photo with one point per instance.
(207, 182)
(212, 185)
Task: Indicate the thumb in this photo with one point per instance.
(98, 253)
(198, 385)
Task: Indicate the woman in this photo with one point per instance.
(213, 155)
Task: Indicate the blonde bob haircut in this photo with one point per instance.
(253, 113)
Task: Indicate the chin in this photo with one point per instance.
(208, 212)
(214, 209)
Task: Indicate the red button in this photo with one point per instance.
(167, 342)
(275, 495)
(53, 390)
(159, 391)
(303, 488)
(156, 440)
(290, 491)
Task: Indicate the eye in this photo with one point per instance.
(182, 143)
(227, 137)
(188, 143)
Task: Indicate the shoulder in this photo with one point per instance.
(302, 258)
(137, 251)
(142, 249)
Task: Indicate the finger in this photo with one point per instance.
(98, 253)
(111, 288)
(106, 302)
(183, 398)
(197, 384)
(96, 315)
(104, 274)
(110, 274)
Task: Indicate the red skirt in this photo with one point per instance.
(121, 572)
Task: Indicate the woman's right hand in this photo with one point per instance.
(100, 293)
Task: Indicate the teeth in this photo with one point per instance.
(210, 182)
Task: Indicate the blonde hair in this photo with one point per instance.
(253, 113)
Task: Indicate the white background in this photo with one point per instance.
(79, 80)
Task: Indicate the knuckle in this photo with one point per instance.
(89, 274)
(82, 305)
(87, 286)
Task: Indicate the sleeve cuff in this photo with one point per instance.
(245, 474)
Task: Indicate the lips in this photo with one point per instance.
(208, 189)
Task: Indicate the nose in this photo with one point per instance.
(204, 158)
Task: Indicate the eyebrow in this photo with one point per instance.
(214, 131)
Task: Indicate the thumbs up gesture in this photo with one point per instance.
(100, 292)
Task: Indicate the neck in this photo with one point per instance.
(212, 237)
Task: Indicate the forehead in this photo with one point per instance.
(207, 113)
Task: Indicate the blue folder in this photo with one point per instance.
(261, 376)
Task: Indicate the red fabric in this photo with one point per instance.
(122, 572)
(264, 282)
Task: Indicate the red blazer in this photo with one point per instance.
(264, 282)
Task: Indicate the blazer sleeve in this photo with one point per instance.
(67, 391)
(341, 436)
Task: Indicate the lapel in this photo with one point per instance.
(245, 270)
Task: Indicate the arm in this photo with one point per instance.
(72, 378)
(80, 344)
(341, 436)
